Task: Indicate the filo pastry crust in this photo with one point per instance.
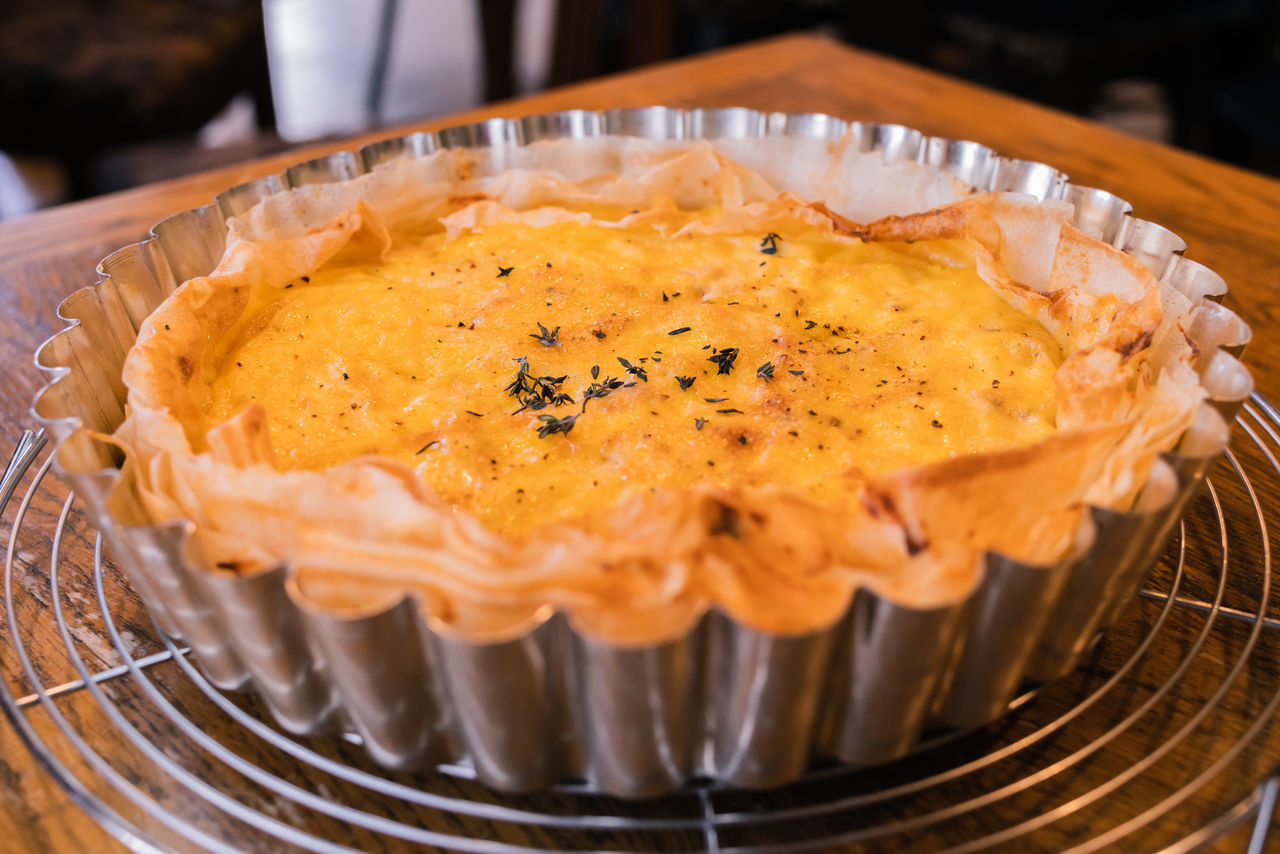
(360, 534)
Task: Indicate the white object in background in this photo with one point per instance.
(322, 54)
(535, 24)
(28, 184)
(436, 64)
(237, 124)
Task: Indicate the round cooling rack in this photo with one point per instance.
(1164, 739)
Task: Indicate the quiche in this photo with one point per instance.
(644, 381)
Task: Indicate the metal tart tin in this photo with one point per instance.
(551, 704)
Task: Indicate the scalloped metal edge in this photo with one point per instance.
(551, 704)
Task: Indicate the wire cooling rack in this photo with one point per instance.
(1164, 739)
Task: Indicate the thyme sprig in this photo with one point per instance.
(724, 359)
(769, 246)
(765, 371)
(635, 370)
(600, 389)
(546, 337)
(536, 392)
(523, 383)
(552, 425)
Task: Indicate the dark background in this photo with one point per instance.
(112, 91)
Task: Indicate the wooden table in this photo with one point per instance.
(1228, 217)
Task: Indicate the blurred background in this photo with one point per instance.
(101, 95)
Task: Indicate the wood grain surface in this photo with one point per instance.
(1229, 218)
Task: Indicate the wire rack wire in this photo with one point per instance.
(1165, 738)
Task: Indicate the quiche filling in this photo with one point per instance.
(531, 374)
(631, 384)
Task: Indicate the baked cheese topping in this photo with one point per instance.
(534, 374)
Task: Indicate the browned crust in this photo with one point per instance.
(772, 558)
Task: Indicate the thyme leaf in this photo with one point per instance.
(769, 246)
(600, 389)
(546, 337)
(634, 370)
(765, 371)
(724, 359)
(685, 382)
(523, 382)
(552, 425)
(536, 392)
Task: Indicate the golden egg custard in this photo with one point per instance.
(644, 391)
(529, 375)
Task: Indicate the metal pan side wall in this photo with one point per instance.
(724, 700)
